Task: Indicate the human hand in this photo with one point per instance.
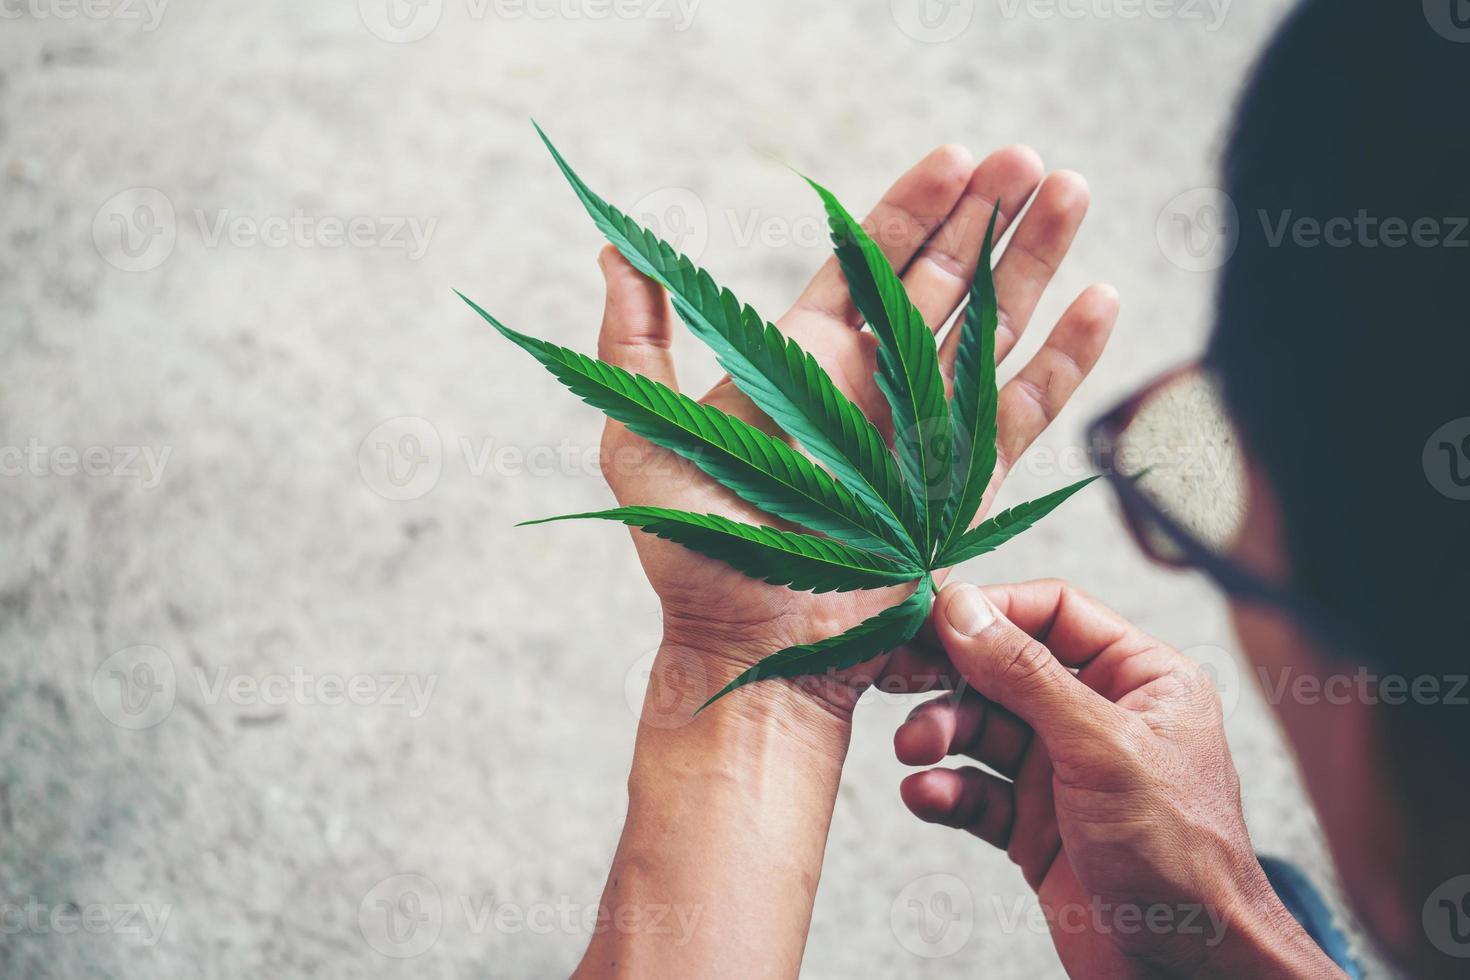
(931, 226)
(1116, 793)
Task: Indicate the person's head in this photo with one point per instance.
(1343, 348)
(1342, 352)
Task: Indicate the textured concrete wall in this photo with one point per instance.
(248, 672)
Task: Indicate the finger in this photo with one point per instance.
(637, 335)
(969, 725)
(1035, 252)
(1036, 396)
(919, 667)
(1036, 810)
(940, 276)
(913, 207)
(1013, 669)
(1075, 627)
(637, 322)
(966, 799)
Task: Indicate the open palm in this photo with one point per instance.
(931, 225)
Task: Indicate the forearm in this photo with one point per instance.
(1264, 940)
(1256, 936)
(723, 844)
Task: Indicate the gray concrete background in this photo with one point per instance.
(177, 639)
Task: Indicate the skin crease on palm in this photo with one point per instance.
(1115, 781)
(931, 225)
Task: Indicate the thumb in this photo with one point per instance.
(1010, 667)
(637, 323)
(637, 335)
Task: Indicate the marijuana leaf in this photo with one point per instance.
(886, 520)
(762, 470)
(974, 411)
(908, 365)
(892, 627)
(991, 534)
(783, 380)
(801, 561)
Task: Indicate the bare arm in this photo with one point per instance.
(726, 828)
(728, 812)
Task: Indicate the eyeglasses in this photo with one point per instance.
(1175, 462)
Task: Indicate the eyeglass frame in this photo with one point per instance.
(1139, 512)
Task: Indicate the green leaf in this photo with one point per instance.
(801, 561)
(781, 378)
(973, 407)
(908, 366)
(991, 534)
(763, 470)
(891, 628)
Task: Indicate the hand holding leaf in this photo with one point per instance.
(848, 515)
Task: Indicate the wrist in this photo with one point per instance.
(1261, 938)
(727, 820)
(703, 656)
(761, 725)
(684, 676)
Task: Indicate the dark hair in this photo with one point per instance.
(1343, 356)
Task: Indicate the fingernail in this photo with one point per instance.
(968, 611)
